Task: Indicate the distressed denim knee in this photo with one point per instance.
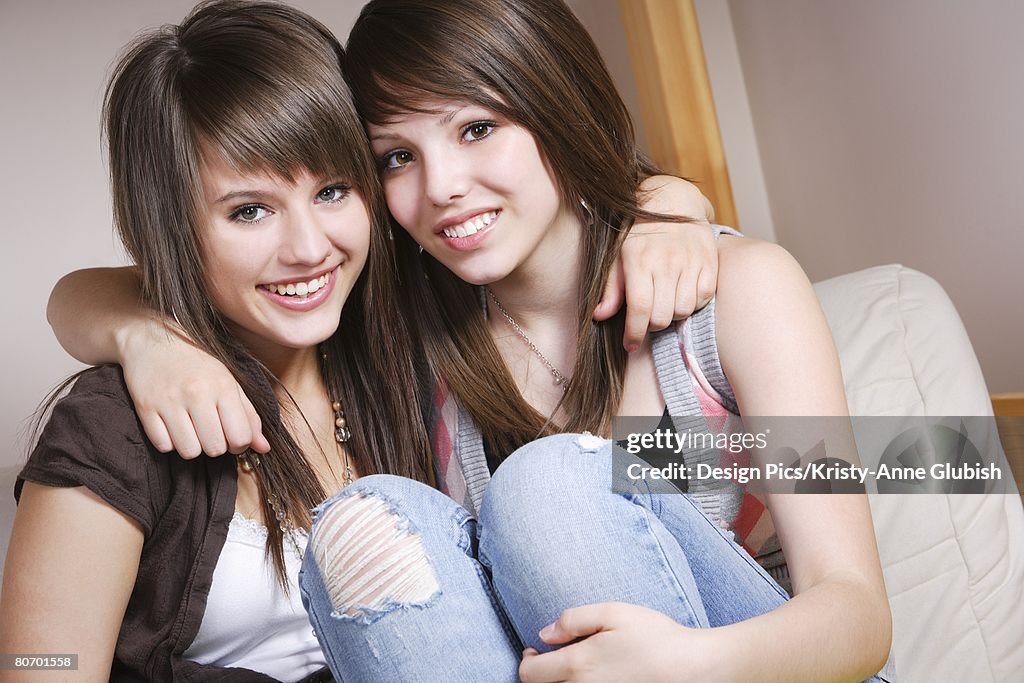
(368, 551)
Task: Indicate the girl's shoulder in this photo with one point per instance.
(92, 438)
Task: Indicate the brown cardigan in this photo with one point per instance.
(94, 439)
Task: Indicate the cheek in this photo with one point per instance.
(228, 268)
(352, 233)
(403, 200)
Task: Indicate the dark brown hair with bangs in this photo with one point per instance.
(260, 83)
(532, 62)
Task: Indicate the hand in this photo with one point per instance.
(621, 642)
(186, 400)
(665, 271)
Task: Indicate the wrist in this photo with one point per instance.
(133, 338)
(674, 196)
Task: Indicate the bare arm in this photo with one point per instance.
(779, 356)
(665, 270)
(778, 352)
(93, 311)
(186, 400)
(70, 569)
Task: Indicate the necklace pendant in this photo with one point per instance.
(248, 461)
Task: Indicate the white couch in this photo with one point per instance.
(954, 565)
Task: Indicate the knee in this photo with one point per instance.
(368, 552)
(544, 484)
(550, 468)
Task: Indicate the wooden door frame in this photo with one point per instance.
(675, 97)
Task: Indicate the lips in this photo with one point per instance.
(304, 293)
(466, 231)
(470, 226)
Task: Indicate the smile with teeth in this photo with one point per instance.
(300, 288)
(472, 226)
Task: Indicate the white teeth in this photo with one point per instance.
(301, 288)
(472, 226)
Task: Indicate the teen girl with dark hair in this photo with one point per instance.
(498, 119)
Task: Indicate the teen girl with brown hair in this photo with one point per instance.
(239, 170)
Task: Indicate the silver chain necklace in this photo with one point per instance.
(560, 379)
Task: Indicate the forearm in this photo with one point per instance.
(94, 312)
(838, 630)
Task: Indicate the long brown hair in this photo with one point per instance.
(261, 84)
(532, 62)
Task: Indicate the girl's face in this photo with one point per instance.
(473, 189)
(281, 258)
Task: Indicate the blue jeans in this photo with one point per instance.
(435, 594)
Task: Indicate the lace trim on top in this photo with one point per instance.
(248, 530)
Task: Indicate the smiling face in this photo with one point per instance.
(280, 258)
(474, 190)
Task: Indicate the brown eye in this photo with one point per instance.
(395, 160)
(478, 130)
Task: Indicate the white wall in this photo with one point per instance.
(735, 121)
(890, 131)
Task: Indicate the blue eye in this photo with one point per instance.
(250, 213)
(478, 130)
(333, 193)
(395, 160)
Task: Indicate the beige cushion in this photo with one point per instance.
(954, 565)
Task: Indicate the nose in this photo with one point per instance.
(304, 240)
(445, 176)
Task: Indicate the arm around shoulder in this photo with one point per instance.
(90, 310)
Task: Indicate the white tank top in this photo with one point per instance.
(249, 621)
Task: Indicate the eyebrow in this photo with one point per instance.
(444, 121)
(242, 194)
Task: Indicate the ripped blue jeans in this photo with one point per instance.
(403, 584)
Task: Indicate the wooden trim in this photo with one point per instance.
(1008, 404)
(675, 97)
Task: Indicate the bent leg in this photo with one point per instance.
(394, 591)
(557, 536)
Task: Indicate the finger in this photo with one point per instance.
(639, 299)
(550, 667)
(576, 622)
(235, 423)
(614, 292)
(666, 300)
(183, 433)
(207, 422)
(259, 441)
(686, 298)
(156, 432)
(707, 284)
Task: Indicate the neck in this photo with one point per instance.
(545, 287)
(298, 370)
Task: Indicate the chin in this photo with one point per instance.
(479, 274)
